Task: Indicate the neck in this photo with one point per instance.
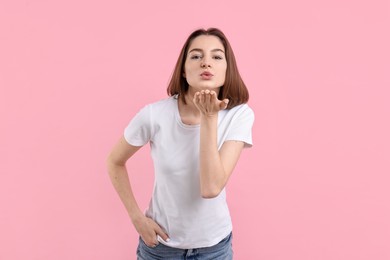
(189, 107)
(191, 93)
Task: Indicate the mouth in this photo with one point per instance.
(206, 74)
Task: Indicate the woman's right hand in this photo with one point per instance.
(148, 229)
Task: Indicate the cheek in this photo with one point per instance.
(223, 67)
(223, 75)
(187, 69)
(224, 70)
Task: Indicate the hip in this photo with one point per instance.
(221, 251)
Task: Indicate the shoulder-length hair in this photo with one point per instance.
(233, 89)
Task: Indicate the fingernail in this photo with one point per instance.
(167, 240)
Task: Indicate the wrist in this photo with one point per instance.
(209, 121)
(209, 117)
(136, 216)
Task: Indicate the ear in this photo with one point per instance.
(184, 74)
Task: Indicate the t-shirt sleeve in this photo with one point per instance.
(139, 131)
(241, 128)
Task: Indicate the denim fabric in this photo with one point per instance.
(221, 251)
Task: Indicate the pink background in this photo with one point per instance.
(73, 73)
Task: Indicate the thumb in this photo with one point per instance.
(224, 103)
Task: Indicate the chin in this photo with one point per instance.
(206, 86)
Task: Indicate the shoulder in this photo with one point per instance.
(162, 104)
(157, 107)
(242, 107)
(243, 110)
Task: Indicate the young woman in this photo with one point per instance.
(196, 136)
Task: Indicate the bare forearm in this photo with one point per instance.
(120, 180)
(212, 173)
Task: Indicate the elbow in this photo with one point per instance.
(109, 161)
(111, 164)
(115, 159)
(210, 193)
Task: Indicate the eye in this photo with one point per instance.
(196, 57)
(218, 57)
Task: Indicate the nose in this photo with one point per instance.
(205, 63)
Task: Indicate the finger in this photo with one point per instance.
(213, 97)
(152, 244)
(196, 98)
(151, 241)
(207, 98)
(161, 233)
(202, 97)
(224, 103)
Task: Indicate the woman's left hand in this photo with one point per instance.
(208, 103)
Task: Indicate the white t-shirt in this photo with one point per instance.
(176, 204)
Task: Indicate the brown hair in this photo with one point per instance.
(234, 88)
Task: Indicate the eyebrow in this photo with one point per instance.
(200, 50)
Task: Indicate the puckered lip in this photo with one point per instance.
(206, 73)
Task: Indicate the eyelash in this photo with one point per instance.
(194, 57)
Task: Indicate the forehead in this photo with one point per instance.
(206, 42)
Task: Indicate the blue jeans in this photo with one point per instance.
(221, 251)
